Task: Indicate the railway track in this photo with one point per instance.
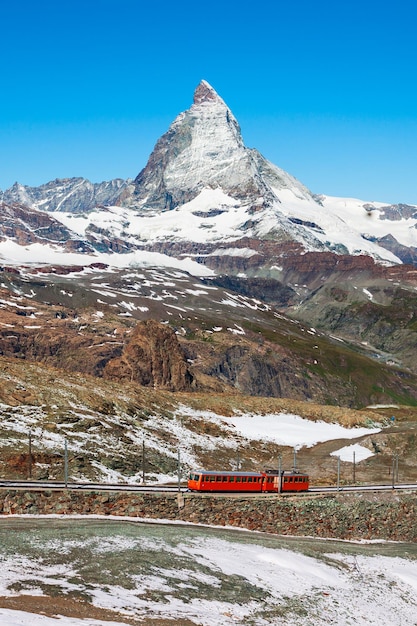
(57, 485)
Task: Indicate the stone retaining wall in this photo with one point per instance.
(389, 516)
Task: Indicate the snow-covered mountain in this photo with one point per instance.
(252, 244)
(66, 194)
(204, 194)
(202, 150)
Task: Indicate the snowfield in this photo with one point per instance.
(292, 430)
(210, 577)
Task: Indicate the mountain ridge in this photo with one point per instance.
(223, 191)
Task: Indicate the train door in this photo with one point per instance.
(278, 484)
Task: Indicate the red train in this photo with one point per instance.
(266, 481)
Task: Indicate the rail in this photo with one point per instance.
(60, 485)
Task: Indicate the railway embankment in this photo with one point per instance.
(355, 516)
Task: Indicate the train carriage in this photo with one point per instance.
(267, 481)
(204, 480)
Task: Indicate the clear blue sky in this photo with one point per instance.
(324, 89)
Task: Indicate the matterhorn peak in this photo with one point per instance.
(205, 93)
(202, 149)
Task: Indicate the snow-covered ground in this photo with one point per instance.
(210, 577)
(353, 453)
(292, 430)
(8, 617)
(168, 435)
(37, 253)
(338, 221)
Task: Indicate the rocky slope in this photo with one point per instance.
(169, 331)
(76, 195)
(106, 423)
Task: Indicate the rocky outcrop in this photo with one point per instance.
(26, 226)
(263, 289)
(152, 357)
(407, 254)
(74, 195)
(148, 354)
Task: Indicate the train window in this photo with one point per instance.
(244, 479)
(224, 479)
(231, 479)
(238, 479)
(205, 478)
(218, 479)
(249, 479)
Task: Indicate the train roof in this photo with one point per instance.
(224, 473)
(292, 472)
(270, 472)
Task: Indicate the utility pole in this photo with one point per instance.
(30, 455)
(143, 462)
(279, 473)
(354, 468)
(66, 463)
(393, 471)
(179, 471)
(338, 473)
(180, 496)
